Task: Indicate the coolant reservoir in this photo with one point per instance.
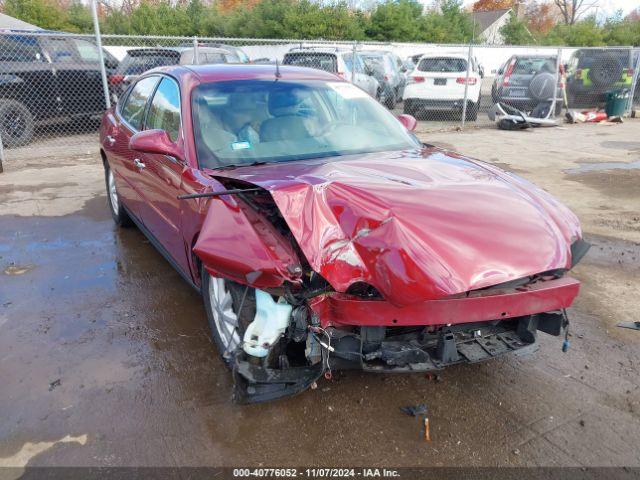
(269, 324)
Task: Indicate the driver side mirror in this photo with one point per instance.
(408, 121)
(155, 141)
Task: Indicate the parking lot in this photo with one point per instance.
(105, 357)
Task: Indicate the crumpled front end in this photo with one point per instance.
(434, 261)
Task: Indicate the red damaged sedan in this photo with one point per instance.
(323, 235)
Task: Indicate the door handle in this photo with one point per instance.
(111, 140)
(138, 163)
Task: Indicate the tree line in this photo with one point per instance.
(445, 21)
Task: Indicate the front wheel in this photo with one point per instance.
(472, 111)
(119, 214)
(230, 308)
(16, 123)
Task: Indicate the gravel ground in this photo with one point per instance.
(105, 358)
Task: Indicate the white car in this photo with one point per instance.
(438, 83)
(334, 60)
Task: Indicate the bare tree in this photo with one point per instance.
(572, 9)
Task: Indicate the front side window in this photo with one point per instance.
(60, 50)
(242, 122)
(133, 109)
(164, 112)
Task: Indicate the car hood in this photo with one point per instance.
(416, 225)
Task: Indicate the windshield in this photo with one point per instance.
(319, 61)
(442, 64)
(141, 62)
(531, 66)
(243, 122)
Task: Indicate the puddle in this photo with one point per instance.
(602, 166)
(622, 145)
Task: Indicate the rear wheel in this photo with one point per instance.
(119, 214)
(410, 108)
(472, 111)
(16, 123)
(230, 308)
(390, 99)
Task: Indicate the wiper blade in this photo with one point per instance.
(232, 166)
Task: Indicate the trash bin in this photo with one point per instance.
(617, 101)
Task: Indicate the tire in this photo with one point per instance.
(605, 70)
(120, 216)
(237, 304)
(16, 123)
(472, 111)
(409, 108)
(390, 100)
(542, 87)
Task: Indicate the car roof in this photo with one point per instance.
(374, 52)
(234, 71)
(445, 55)
(319, 50)
(534, 56)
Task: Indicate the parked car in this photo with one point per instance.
(393, 77)
(47, 78)
(237, 52)
(334, 60)
(438, 83)
(385, 94)
(322, 234)
(591, 72)
(525, 81)
(139, 60)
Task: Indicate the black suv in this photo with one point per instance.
(47, 78)
(591, 72)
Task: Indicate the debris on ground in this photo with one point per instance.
(415, 410)
(516, 452)
(630, 325)
(54, 384)
(13, 269)
(427, 435)
(591, 116)
(509, 118)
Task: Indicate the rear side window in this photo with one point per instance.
(88, 51)
(320, 61)
(60, 50)
(133, 109)
(15, 48)
(139, 63)
(164, 112)
(442, 64)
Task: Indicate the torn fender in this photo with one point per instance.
(237, 243)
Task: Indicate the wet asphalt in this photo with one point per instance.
(106, 360)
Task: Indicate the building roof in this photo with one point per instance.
(10, 23)
(487, 18)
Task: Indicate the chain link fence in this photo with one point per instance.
(56, 85)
